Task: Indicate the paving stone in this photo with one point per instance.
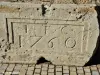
(98, 66)
(87, 73)
(50, 70)
(36, 74)
(17, 67)
(38, 66)
(31, 68)
(4, 66)
(58, 66)
(99, 70)
(44, 68)
(81, 74)
(8, 73)
(65, 67)
(93, 68)
(66, 74)
(73, 69)
(37, 70)
(51, 74)
(15, 73)
(79, 68)
(95, 72)
(58, 69)
(80, 71)
(29, 72)
(87, 69)
(73, 73)
(43, 72)
(51, 66)
(44, 65)
(23, 70)
(2, 71)
(31, 65)
(10, 67)
(66, 71)
(58, 73)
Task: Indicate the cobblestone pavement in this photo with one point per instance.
(47, 69)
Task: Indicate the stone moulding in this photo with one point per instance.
(65, 34)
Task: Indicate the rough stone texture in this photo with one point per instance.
(62, 34)
(57, 1)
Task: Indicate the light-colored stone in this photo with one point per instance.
(44, 73)
(8, 73)
(58, 73)
(87, 73)
(37, 70)
(45, 68)
(38, 66)
(73, 69)
(65, 67)
(95, 72)
(15, 73)
(10, 68)
(64, 34)
(51, 66)
(56, 1)
(23, 70)
(73, 73)
(17, 67)
(50, 70)
(65, 71)
(93, 68)
(29, 72)
(87, 69)
(51, 74)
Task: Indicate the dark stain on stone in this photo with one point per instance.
(43, 60)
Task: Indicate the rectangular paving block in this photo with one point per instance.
(95, 72)
(10, 68)
(15, 73)
(64, 34)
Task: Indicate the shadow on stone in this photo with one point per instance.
(43, 60)
(95, 59)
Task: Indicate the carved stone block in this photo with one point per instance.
(65, 34)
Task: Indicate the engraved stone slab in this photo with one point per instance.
(64, 34)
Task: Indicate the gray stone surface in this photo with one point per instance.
(62, 34)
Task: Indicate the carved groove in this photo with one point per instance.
(7, 30)
(36, 42)
(25, 28)
(12, 33)
(19, 40)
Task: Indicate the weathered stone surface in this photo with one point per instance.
(62, 34)
(57, 1)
